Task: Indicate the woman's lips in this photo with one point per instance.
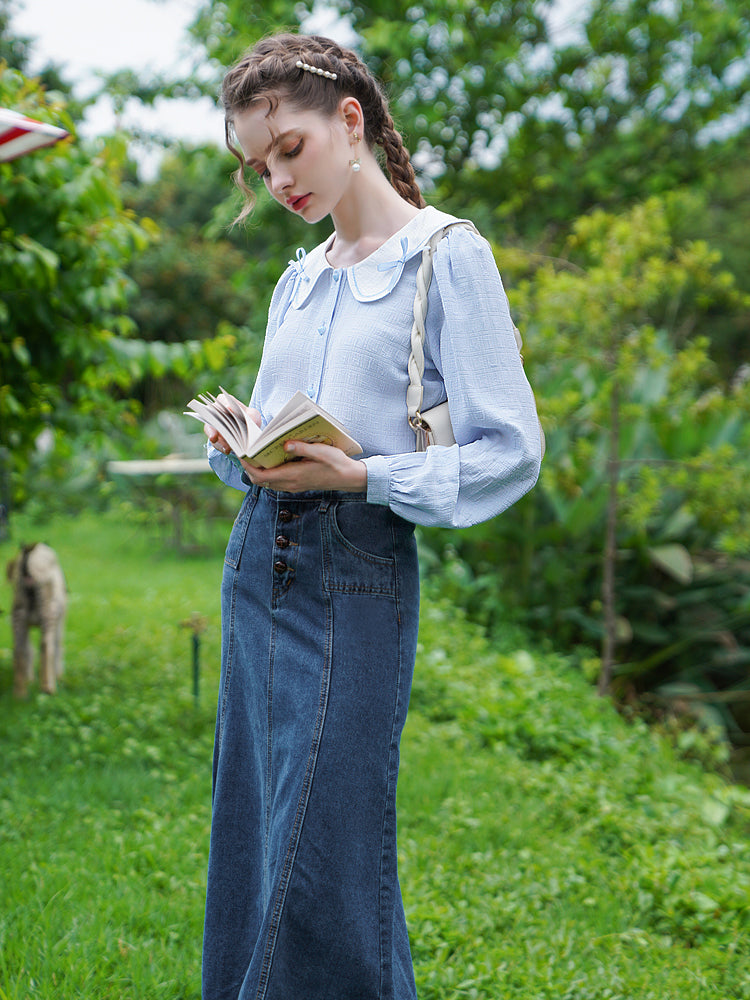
(298, 203)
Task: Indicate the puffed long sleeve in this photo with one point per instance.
(498, 452)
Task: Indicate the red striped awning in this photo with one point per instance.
(20, 135)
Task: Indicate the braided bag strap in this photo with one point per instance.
(414, 392)
(415, 365)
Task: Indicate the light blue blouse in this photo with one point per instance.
(343, 336)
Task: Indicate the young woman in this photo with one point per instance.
(320, 592)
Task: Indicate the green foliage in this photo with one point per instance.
(191, 182)
(621, 326)
(125, 85)
(720, 214)
(105, 808)
(613, 324)
(191, 280)
(14, 50)
(524, 130)
(69, 358)
(518, 127)
(65, 237)
(605, 799)
(643, 89)
(548, 848)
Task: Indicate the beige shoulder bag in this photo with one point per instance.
(433, 426)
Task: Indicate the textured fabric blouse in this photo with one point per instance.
(342, 335)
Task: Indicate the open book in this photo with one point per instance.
(299, 420)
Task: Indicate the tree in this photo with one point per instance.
(624, 541)
(64, 239)
(16, 51)
(68, 354)
(185, 277)
(514, 127)
(524, 129)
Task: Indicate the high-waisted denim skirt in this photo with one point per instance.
(320, 602)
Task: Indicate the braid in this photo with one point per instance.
(400, 166)
(269, 70)
(380, 130)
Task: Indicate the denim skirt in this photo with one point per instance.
(320, 603)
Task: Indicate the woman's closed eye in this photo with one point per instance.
(294, 151)
(262, 169)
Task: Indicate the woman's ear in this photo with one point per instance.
(351, 112)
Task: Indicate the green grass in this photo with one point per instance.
(548, 849)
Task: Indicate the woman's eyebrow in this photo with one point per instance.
(273, 143)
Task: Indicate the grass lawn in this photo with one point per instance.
(548, 849)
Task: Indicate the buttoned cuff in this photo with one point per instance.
(378, 480)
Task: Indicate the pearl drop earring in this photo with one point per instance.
(356, 165)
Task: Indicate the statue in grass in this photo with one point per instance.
(39, 600)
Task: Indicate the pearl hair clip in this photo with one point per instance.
(314, 69)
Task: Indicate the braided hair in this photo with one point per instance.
(269, 70)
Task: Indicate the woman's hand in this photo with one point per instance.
(217, 440)
(319, 467)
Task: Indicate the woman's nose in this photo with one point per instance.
(280, 180)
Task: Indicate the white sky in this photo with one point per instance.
(83, 36)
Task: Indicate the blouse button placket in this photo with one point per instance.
(325, 322)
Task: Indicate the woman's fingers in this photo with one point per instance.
(216, 439)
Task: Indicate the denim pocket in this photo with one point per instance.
(358, 548)
(239, 530)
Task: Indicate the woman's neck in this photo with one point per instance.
(370, 216)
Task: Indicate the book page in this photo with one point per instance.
(241, 412)
(227, 418)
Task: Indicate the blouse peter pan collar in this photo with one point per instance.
(376, 275)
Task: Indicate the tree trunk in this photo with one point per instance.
(609, 586)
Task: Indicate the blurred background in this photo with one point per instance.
(574, 814)
(602, 148)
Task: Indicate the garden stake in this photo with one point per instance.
(197, 624)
